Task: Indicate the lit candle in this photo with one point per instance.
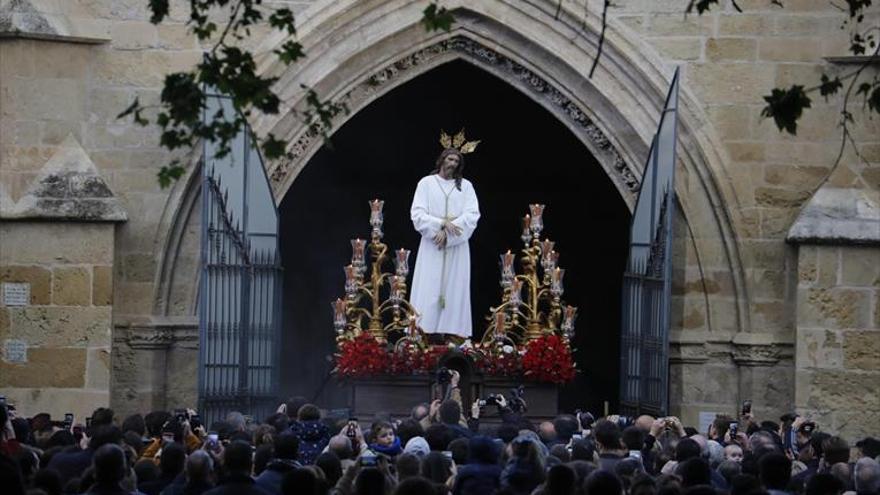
(338, 314)
(507, 267)
(351, 273)
(357, 252)
(537, 223)
(376, 213)
(547, 247)
(516, 293)
(401, 262)
(556, 282)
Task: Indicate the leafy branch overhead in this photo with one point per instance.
(232, 71)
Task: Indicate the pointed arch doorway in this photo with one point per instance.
(527, 155)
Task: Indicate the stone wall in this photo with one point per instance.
(65, 327)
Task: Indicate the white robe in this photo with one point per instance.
(433, 276)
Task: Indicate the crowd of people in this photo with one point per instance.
(438, 449)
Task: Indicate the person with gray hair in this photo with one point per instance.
(199, 476)
(867, 476)
(237, 420)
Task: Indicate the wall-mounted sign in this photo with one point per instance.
(14, 351)
(16, 294)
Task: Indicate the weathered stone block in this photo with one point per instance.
(831, 389)
(689, 48)
(828, 266)
(860, 266)
(728, 83)
(72, 286)
(861, 350)
(734, 122)
(745, 151)
(771, 316)
(17, 58)
(768, 284)
(725, 49)
(744, 24)
(798, 177)
(102, 285)
(62, 367)
(807, 264)
(775, 222)
(59, 326)
(833, 308)
(45, 242)
(789, 49)
(819, 348)
(37, 276)
(133, 35)
(55, 132)
(63, 60)
(781, 197)
(679, 25)
(139, 267)
(98, 368)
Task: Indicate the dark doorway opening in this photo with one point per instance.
(526, 156)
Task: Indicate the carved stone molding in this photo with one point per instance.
(761, 354)
(158, 335)
(538, 87)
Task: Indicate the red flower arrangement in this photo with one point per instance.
(499, 360)
(361, 356)
(548, 359)
(410, 358)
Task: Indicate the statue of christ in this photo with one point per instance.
(445, 212)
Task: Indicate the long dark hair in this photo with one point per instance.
(455, 175)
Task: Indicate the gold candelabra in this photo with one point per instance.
(542, 311)
(363, 306)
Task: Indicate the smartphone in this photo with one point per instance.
(88, 422)
(747, 407)
(577, 437)
(167, 438)
(447, 454)
(733, 428)
(68, 421)
(248, 419)
(368, 460)
(635, 453)
(213, 437)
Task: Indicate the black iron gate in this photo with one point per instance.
(240, 287)
(647, 283)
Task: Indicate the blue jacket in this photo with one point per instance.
(477, 479)
(313, 437)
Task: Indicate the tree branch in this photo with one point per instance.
(605, 6)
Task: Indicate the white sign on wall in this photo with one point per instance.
(14, 351)
(16, 294)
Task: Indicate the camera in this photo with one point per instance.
(585, 418)
(492, 400)
(368, 460)
(807, 428)
(444, 376)
(746, 407)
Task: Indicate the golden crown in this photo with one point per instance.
(458, 142)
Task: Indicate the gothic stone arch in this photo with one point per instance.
(358, 50)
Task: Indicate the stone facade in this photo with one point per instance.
(743, 322)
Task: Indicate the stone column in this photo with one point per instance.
(838, 311)
(56, 288)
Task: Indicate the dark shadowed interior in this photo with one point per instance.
(526, 156)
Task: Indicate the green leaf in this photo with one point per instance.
(874, 99)
(273, 147)
(786, 106)
(282, 19)
(701, 5)
(168, 174)
(829, 86)
(437, 18)
(290, 52)
(159, 9)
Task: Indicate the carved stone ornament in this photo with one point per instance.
(156, 335)
(760, 354)
(539, 88)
